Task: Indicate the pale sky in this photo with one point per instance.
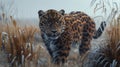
(30, 8)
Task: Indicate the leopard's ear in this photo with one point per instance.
(62, 11)
(40, 13)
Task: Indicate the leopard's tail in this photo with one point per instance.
(100, 30)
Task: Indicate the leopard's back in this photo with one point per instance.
(79, 22)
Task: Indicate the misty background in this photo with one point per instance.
(26, 11)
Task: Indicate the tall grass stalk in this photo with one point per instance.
(109, 53)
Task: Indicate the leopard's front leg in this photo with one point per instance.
(62, 48)
(47, 41)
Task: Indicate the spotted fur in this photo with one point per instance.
(59, 31)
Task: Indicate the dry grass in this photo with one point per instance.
(109, 54)
(113, 47)
(104, 6)
(18, 43)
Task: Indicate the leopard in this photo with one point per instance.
(60, 30)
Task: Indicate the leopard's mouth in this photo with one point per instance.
(54, 36)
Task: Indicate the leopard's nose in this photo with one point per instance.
(53, 31)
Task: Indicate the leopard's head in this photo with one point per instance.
(51, 23)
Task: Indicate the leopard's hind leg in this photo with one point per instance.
(87, 34)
